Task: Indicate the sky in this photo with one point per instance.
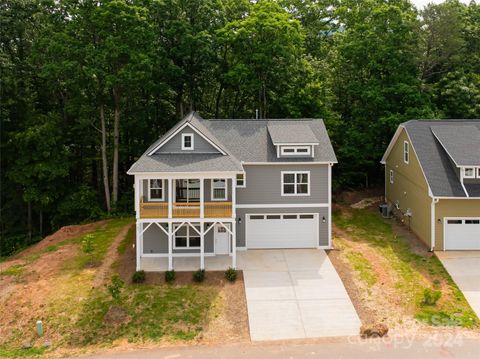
(421, 3)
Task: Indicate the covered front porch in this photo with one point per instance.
(186, 264)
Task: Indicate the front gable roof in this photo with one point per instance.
(191, 121)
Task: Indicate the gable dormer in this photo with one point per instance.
(292, 140)
(462, 145)
(188, 137)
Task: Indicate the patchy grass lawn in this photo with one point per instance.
(54, 285)
(391, 272)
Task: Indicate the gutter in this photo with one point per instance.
(432, 224)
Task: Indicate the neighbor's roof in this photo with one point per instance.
(462, 143)
(282, 133)
(241, 141)
(436, 164)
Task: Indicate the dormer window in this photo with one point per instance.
(295, 150)
(187, 141)
(468, 172)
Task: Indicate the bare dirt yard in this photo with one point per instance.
(66, 287)
(391, 276)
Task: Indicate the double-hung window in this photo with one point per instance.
(155, 190)
(186, 237)
(219, 189)
(187, 141)
(241, 180)
(406, 152)
(296, 183)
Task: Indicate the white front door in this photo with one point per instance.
(222, 239)
(462, 233)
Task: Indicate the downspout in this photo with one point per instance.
(432, 228)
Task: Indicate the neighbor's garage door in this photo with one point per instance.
(282, 230)
(462, 233)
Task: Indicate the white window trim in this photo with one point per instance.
(282, 173)
(175, 226)
(391, 176)
(464, 174)
(244, 181)
(295, 151)
(150, 199)
(478, 172)
(183, 141)
(212, 197)
(406, 151)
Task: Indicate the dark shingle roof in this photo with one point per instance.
(249, 140)
(281, 133)
(435, 162)
(462, 143)
(242, 141)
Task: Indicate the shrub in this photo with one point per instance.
(199, 275)
(115, 287)
(169, 276)
(431, 297)
(231, 274)
(138, 276)
(87, 244)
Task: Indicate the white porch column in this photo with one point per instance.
(170, 197)
(234, 222)
(234, 244)
(329, 205)
(138, 247)
(137, 187)
(170, 251)
(202, 246)
(202, 190)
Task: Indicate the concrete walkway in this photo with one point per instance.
(464, 267)
(295, 294)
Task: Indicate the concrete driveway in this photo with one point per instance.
(464, 268)
(295, 294)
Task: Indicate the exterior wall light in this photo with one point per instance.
(323, 219)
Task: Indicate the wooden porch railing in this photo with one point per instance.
(185, 210)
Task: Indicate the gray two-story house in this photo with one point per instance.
(215, 187)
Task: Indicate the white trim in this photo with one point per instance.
(177, 131)
(406, 152)
(187, 175)
(164, 255)
(282, 173)
(212, 197)
(289, 163)
(296, 143)
(464, 174)
(432, 223)
(192, 146)
(439, 197)
(284, 205)
(150, 199)
(244, 180)
(329, 210)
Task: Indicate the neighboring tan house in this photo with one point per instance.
(432, 176)
(212, 187)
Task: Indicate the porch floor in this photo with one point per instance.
(186, 264)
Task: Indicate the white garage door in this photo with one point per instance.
(282, 230)
(462, 233)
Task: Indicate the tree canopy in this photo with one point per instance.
(88, 85)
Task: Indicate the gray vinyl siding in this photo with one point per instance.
(200, 145)
(155, 241)
(264, 185)
(322, 211)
